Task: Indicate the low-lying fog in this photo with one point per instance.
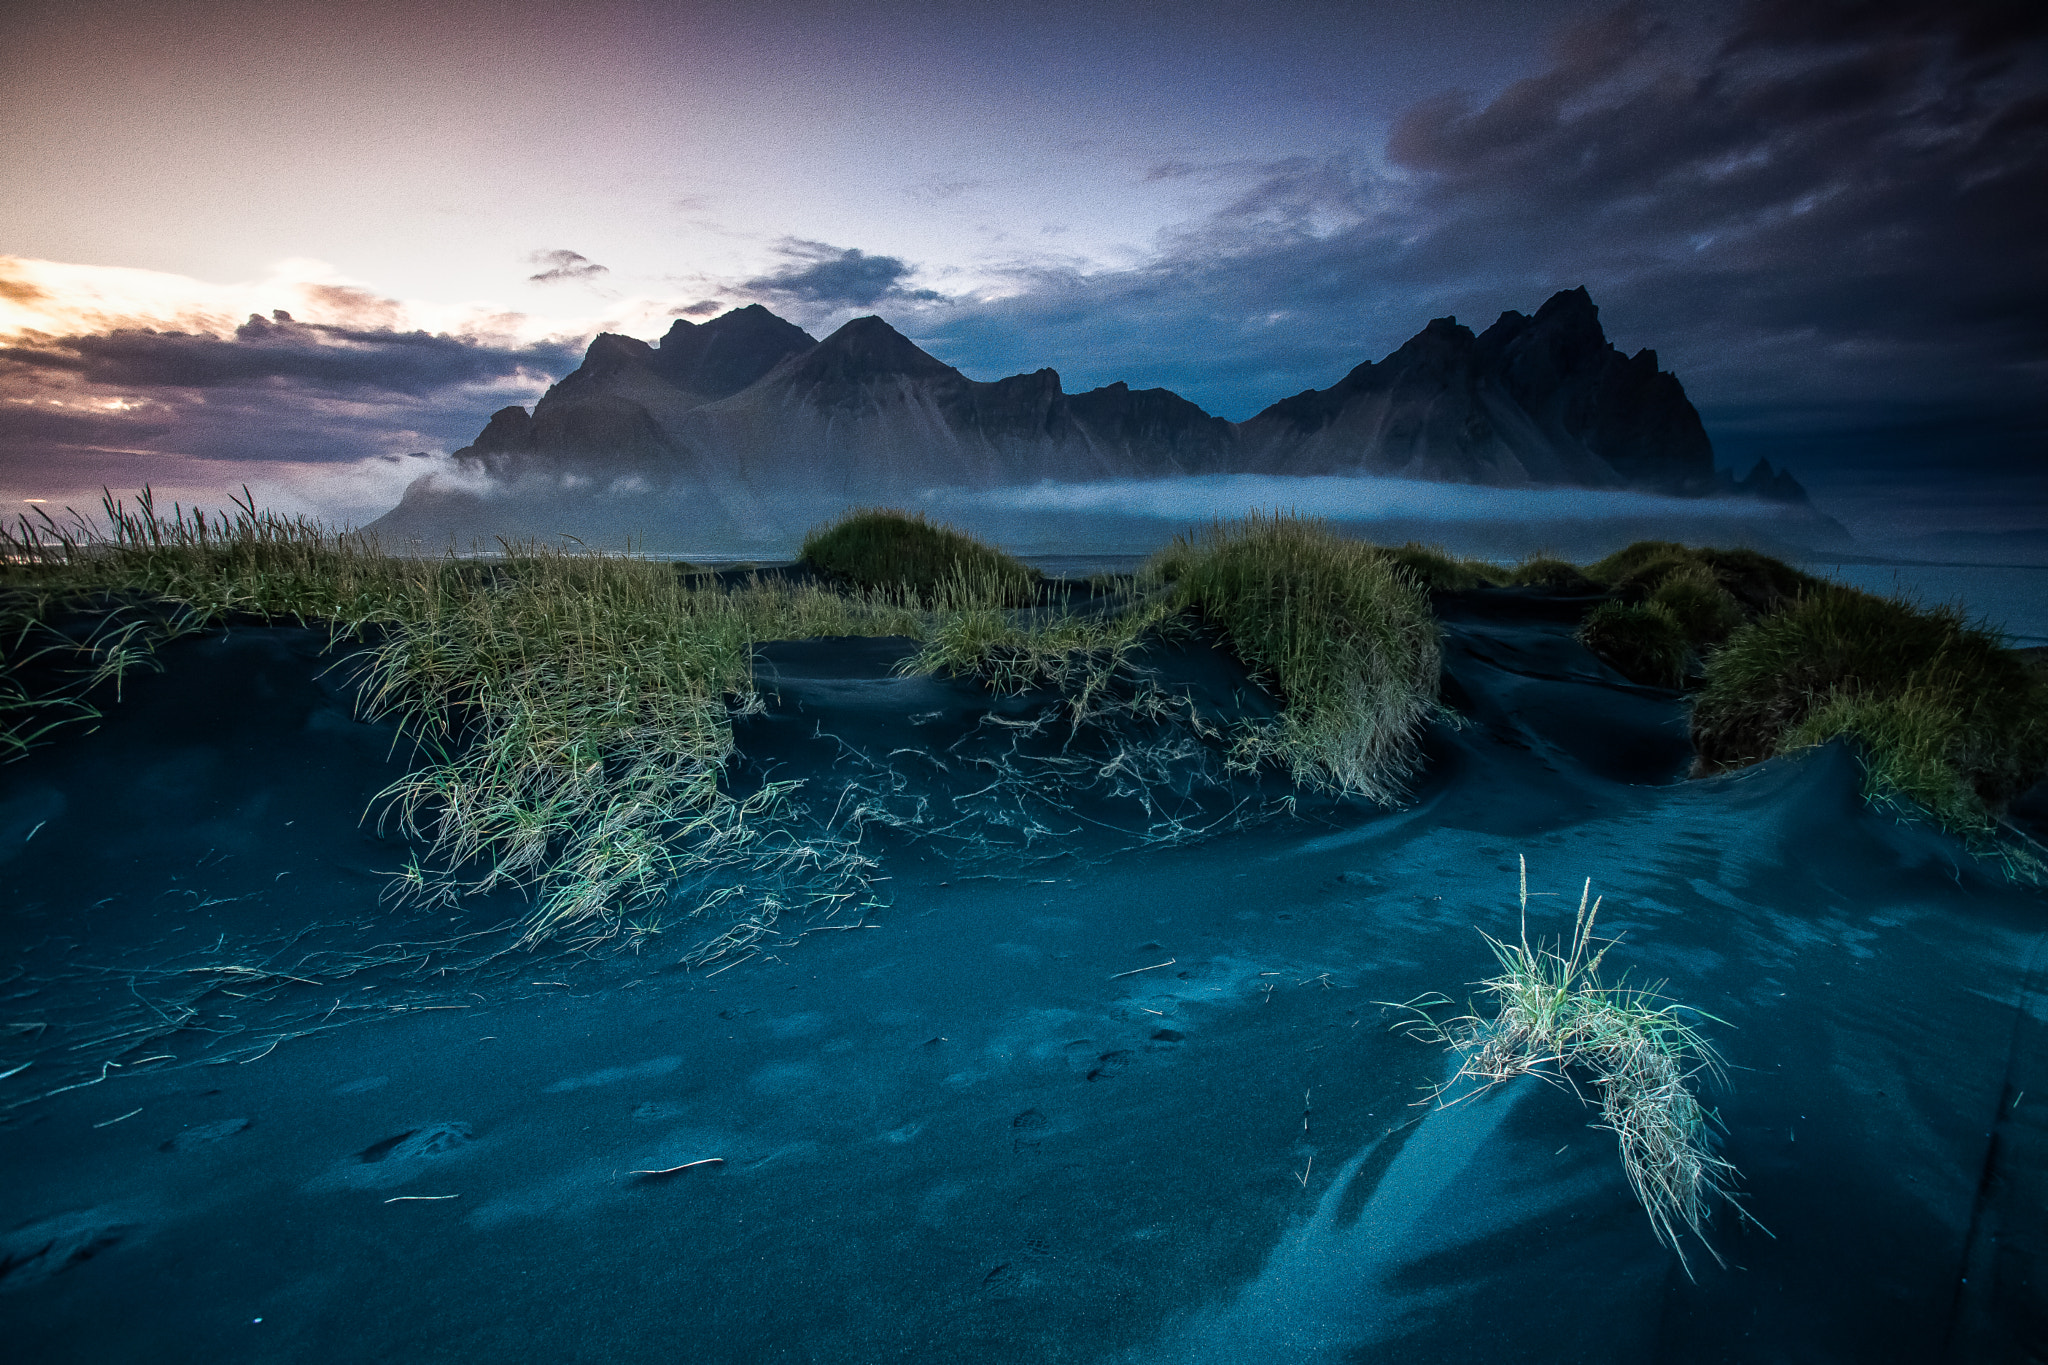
(1492, 523)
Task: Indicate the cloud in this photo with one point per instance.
(21, 291)
(276, 400)
(1807, 210)
(279, 350)
(703, 308)
(564, 265)
(818, 274)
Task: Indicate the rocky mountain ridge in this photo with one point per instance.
(744, 421)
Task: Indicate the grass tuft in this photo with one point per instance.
(1339, 629)
(1704, 611)
(1641, 641)
(1631, 560)
(880, 549)
(1554, 1018)
(1438, 570)
(1704, 593)
(1548, 571)
(1947, 717)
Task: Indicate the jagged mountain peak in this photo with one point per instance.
(732, 417)
(869, 348)
(716, 359)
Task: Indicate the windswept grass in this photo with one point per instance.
(1554, 1018)
(1438, 570)
(575, 710)
(1091, 657)
(881, 549)
(85, 604)
(1338, 629)
(1946, 716)
(251, 562)
(578, 710)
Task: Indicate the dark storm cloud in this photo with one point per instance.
(131, 406)
(1819, 208)
(564, 265)
(280, 352)
(827, 276)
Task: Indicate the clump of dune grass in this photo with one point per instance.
(1675, 604)
(574, 711)
(251, 562)
(1759, 583)
(1090, 657)
(1756, 583)
(1548, 571)
(83, 604)
(1947, 717)
(1704, 611)
(1639, 1051)
(1641, 641)
(1441, 571)
(1638, 561)
(577, 710)
(884, 549)
(1337, 628)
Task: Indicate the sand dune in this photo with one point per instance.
(1101, 1075)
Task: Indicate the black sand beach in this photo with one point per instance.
(1065, 1097)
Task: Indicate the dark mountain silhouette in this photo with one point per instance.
(747, 424)
(1543, 400)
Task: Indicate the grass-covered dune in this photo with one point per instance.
(575, 712)
(883, 549)
(1948, 718)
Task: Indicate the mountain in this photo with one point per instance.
(746, 429)
(1530, 401)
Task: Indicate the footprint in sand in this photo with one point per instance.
(1028, 1130)
(432, 1140)
(658, 1111)
(29, 1255)
(205, 1135)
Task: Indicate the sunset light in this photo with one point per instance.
(1060, 682)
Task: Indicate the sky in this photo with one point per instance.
(309, 248)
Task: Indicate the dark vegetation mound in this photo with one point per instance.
(1642, 641)
(883, 549)
(1946, 715)
(1439, 570)
(1675, 604)
(1548, 571)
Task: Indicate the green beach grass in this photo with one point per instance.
(1673, 605)
(1947, 718)
(1642, 1054)
(574, 710)
(885, 549)
(1340, 630)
